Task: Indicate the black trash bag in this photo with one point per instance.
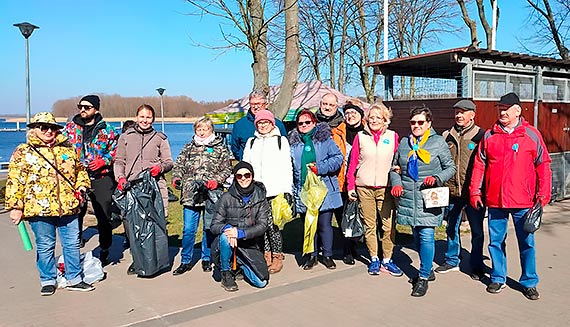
(171, 196)
(210, 206)
(249, 255)
(351, 225)
(199, 190)
(533, 218)
(145, 224)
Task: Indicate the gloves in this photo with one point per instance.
(97, 164)
(211, 184)
(476, 202)
(313, 168)
(121, 183)
(155, 170)
(429, 181)
(177, 183)
(542, 200)
(397, 191)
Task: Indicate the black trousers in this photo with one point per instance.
(102, 202)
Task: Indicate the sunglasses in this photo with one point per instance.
(242, 176)
(417, 122)
(45, 128)
(84, 107)
(306, 122)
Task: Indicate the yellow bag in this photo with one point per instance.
(281, 211)
(312, 195)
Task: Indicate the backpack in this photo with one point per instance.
(255, 138)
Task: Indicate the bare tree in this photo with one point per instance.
(471, 24)
(551, 25)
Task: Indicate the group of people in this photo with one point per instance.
(354, 154)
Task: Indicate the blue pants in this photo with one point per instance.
(44, 230)
(498, 224)
(425, 244)
(226, 256)
(191, 216)
(475, 218)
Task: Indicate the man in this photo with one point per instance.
(514, 165)
(245, 127)
(94, 141)
(462, 140)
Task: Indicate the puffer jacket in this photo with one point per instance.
(201, 163)
(270, 156)
(463, 146)
(411, 209)
(329, 159)
(339, 136)
(102, 146)
(35, 187)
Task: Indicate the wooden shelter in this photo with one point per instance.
(439, 79)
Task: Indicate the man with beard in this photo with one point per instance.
(94, 141)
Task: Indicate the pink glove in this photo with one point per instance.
(476, 202)
(155, 170)
(177, 183)
(121, 183)
(397, 191)
(97, 164)
(314, 169)
(429, 181)
(211, 184)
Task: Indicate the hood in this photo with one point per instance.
(215, 142)
(79, 121)
(259, 191)
(322, 132)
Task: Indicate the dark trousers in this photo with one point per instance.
(102, 202)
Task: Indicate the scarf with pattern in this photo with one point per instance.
(417, 152)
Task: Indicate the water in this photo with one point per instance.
(178, 135)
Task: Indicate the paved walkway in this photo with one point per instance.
(346, 296)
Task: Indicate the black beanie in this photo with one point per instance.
(353, 107)
(93, 99)
(243, 164)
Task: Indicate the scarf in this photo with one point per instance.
(333, 121)
(351, 132)
(308, 154)
(244, 192)
(204, 140)
(417, 152)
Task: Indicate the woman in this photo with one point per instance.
(270, 155)
(241, 219)
(46, 183)
(140, 148)
(202, 166)
(370, 163)
(313, 148)
(423, 160)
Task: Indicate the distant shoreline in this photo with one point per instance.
(114, 119)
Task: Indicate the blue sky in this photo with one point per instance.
(130, 48)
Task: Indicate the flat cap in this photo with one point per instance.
(465, 105)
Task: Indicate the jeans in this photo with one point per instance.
(226, 256)
(424, 238)
(475, 218)
(191, 222)
(498, 224)
(44, 230)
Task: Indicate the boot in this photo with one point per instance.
(277, 263)
(268, 258)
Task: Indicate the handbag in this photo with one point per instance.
(435, 197)
(533, 218)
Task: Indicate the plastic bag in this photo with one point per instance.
(312, 195)
(281, 211)
(92, 269)
(533, 218)
(351, 225)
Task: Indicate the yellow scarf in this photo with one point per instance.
(423, 154)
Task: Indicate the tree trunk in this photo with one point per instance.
(486, 26)
(258, 46)
(471, 24)
(281, 105)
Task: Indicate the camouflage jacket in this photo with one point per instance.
(196, 164)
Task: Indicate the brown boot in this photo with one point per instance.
(277, 264)
(268, 258)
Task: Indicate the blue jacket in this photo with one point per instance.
(329, 159)
(244, 129)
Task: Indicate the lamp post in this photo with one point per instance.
(160, 91)
(26, 29)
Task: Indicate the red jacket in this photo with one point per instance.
(516, 167)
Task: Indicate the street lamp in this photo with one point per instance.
(26, 29)
(160, 91)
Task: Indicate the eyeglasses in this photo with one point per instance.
(45, 128)
(242, 176)
(263, 122)
(417, 122)
(84, 107)
(256, 104)
(306, 122)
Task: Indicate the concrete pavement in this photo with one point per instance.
(320, 297)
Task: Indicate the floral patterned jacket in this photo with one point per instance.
(35, 187)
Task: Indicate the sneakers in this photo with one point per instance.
(80, 287)
(47, 290)
(496, 288)
(228, 281)
(391, 268)
(531, 293)
(445, 268)
(374, 267)
(477, 274)
(206, 266)
(420, 287)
